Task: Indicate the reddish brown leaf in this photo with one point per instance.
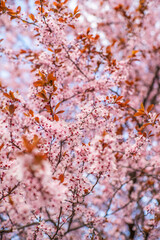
(71, 25)
(61, 178)
(88, 30)
(31, 16)
(35, 141)
(156, 117)
(39, 158)
(60, 112)
(57, 106)
(10, 200)
(23, 51)
(2, 4)
(26, 114)
(51, 77)
(58, 50)
(1, 146)
(86, 191)
(150, 107)
(31, 113)
(12, 95)
(134, 52)
(142, 106)
(39, 83)
(56, 117)
(77, 15)
(37, 119)
(18, 9)
(49, 49)
(127, 101)
(144, 125)
(76, 10)
(42, 94)
(11, 108)
(118, 98)
(97, 37)
(138, 114)
(42, 76)
(49, 109)
(61, 19)
(144, 134)
(7, 95)
(27, 144)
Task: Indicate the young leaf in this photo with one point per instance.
(150, 107)
(31, 16)
(42, 76)
(61, 178)
(11, 108)
(77, 15)
(42, 94)
(58, 104)
(35, 140)
(56, 118)
(49, 49)
(27, 144)
(118, 98)
(39, 158)
(138, 114)
(7, 95)
(39, 83)
(10, 200)
(142, 106)
(71, 25)
(75, 10)
(49, 109)
(60, 112)
(50, 77)
(37, 119)
(1, 146)
(18, 9)
(31, 112)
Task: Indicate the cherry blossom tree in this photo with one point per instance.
(79, 119)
